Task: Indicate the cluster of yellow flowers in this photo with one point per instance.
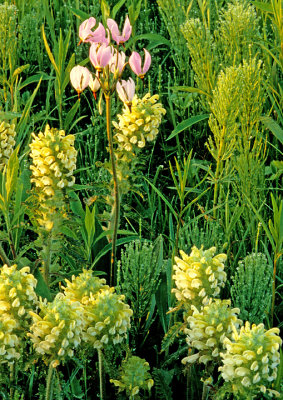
(7, 142)
(251, 360)
(138, 123)
(17, 300)
(208, 329)
(54, 161)
(107, 317)
(199, 276)
(56, 331)
(134, 376)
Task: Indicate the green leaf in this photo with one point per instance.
(273, 127)
(9, 115)
(50, 55)
(11, 175)
(266, 7)
(161, 195)
(116, 8)
(152, 37)
(41, 287)
(187, 123)
(79, 13)
(71, 114)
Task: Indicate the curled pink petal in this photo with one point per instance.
(115, 33)
(135, 63)
(147, 61)
(85, 29)
(99, 35)
(118, 62)
(100, 56)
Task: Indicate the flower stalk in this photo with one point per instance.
(49, 380)
(116, 206)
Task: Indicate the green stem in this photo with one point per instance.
(100, 373)
(217, 174)
(47, 259)
(276, 257)
(12, 378)
(116, 189)
(49, 379)
(4, 257)
(204, 392)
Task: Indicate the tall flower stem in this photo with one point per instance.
(116, 207)
(48, 392)
(100, 374)
(47, 258)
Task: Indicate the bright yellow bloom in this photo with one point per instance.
(198, 276)
(138, 123)
(54, 161)
(209, 328)
(107, 318)
(57, 330)
(251, 360)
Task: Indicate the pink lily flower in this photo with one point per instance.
(135, 63)
(79, 77)
(100, 56)
(118, 62)
(94, 85)
(126, 90)
(116, 36)
(85, 29)
(99, 35)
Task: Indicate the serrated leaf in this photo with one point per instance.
(41, 287)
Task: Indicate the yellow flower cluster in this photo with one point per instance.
(199, 276)
(54, 161)
(138, 123)
(57, 330)
(106, 316)
(251, 360)
(17, 295)
(107, 319)
(134, 376)
(17, 299)
(7, 142)
(81, 286)
(9, 340)
(208, 329)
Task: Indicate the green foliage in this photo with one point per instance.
(252, 288)
(138, 278)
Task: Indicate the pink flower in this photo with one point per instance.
(116, 36)
(85, 29)
(118, 62)
(126, 90)
(100, 56)
(135, 63)
(79, 77)
(87, 35)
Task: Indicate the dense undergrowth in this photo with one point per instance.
(141, 199)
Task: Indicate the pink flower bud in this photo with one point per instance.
(79, 77)
(135, 63)
(126, 90)
(118, 62)
(116, 36)
(100, 56)
(94, 85)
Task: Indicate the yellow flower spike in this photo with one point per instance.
(138, 124)
(7, 142)
(54, 161)
(57, 330)
(104, 311)
(198, 276)
(204, 333)
(250, 362)
(17, 295)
